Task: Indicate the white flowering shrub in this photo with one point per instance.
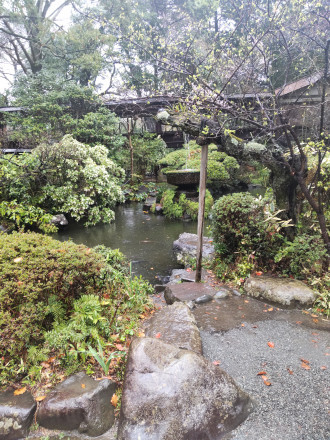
(68, 177)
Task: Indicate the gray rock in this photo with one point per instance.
(187, 292)
(203, 299)
(79, 403)
(237, 292)
(191, 305)
(176, 325)
(158, 288)
(148, 203)
(175, 394)
(158, 209)
(59, 220)
(221, 294)
(186, 247)
(285, 291)
(16, 414)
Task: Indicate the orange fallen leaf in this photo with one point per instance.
(315, 334)
(19, 391)
(215, 318)
(258, 274)
(216, 362)
(323, 367)
(304, 361)
(242, 325)
(270, 309)
(289, 371)
(83, 386)
(315, 320)
(114, 400)
(266, 382)
(314, 316)
(158, 335)
(40, 398)
(120, 347)
(246, 301)
(261, 373)
(264, 377)
(51, 359)
(305, 366)
(271, 344)
(141, 334)
(298, 322)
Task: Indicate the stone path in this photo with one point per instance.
(248, 336)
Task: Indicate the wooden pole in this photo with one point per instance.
(129, 130)
(201, 211)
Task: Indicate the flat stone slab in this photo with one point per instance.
(16, 414)
(175, 325)
(79, 403)
(175, 394)
(285, 291)
(185, 275)
(187, 292)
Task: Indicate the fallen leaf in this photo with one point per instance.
(39, 398)
(19, 391)
(315, 320)
(83, 386)
(158, 335)
(258, 274)
(289, 371)
(314, 316)
(18, 259)
(261, 373)
(246, 301)
(323, 367)
(298, 322)
(313, 340)
(141, 334)
(45, 365)
(305, 366)
(304, 360)
(51, 359)
(266, 382)
(315, 334)
(114, 400)
(263, 377)
(242, 325)
(215, 318)
(271, 344)
(254, 326)
(216, 362)
(270, 309)
(120, 347)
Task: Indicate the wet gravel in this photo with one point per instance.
(296, 404)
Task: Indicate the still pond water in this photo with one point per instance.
(145, 239)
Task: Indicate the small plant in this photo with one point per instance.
(176, 209)
(100, 357)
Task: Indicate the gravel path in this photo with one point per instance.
(296, 404)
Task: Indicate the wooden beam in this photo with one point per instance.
(201, 213)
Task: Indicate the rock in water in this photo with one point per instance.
(175, 394)
(59, 220)
(16, 414)
(79, 403)
(285, 291)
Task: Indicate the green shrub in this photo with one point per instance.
(61, 296)
(176, 209)
(24, 216)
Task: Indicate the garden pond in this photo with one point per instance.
(146, 239)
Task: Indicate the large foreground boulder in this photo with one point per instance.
(79, 403)
(171, 393)
(284, 291)
(176, 325)
(16, 414)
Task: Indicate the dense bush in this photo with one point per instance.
(61, 296)
(177, 208)
(68, 177)
(240, 227)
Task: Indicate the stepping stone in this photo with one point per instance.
(16, 414)
(187, 292)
